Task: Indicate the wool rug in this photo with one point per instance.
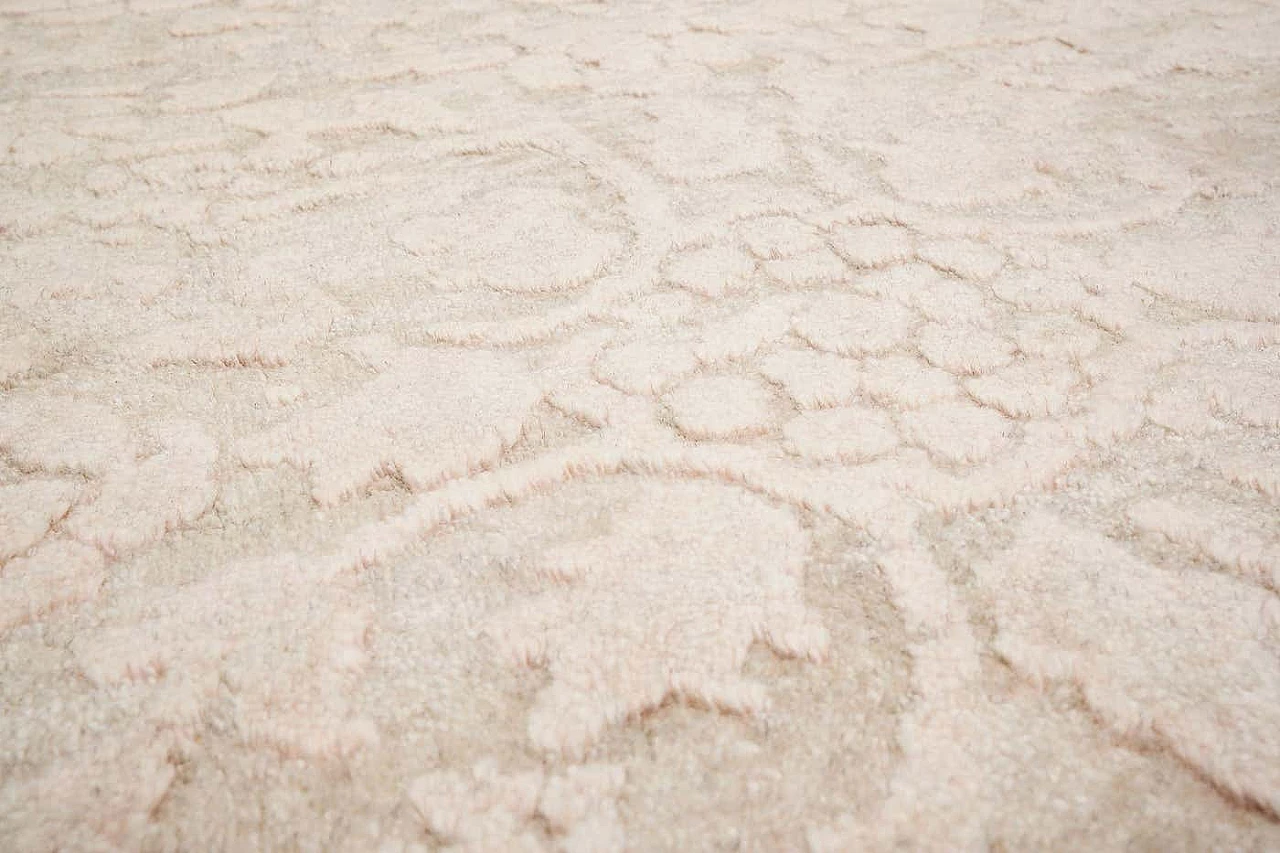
(500, 425)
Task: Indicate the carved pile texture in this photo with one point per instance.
(510, 425)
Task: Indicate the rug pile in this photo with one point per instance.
(499, 425)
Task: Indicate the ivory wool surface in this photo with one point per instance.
(500, 425)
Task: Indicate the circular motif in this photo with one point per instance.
(526, 240)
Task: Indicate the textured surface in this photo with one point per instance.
(665, 426)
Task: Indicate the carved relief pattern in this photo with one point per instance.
(552, 425)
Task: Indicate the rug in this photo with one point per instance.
(593, 426)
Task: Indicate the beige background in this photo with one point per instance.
(665, 426)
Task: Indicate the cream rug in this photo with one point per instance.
(657, 426)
